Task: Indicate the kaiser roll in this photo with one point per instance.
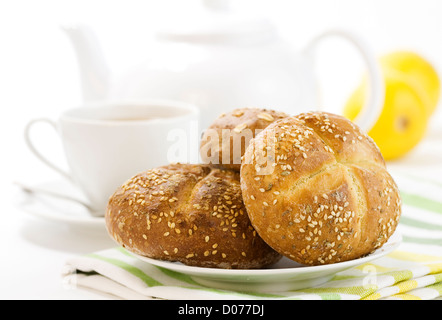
(226, 139)
(317, 190)
(193, 214)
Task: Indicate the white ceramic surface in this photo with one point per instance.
(58, 210)
(283, 276)
(220, 61)
(104, 149)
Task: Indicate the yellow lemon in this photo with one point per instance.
(419, 71)
(403, 120)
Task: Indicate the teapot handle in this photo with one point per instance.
(374, 102)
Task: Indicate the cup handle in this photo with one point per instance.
(374, 102)
(37, 153)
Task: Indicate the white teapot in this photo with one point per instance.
(219, 63)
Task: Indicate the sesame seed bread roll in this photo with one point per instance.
(317, 190)
(193, 214)
(226, 139)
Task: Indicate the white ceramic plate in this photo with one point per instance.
(59, 210)
(282, 276)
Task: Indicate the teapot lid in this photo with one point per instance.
(216, 23)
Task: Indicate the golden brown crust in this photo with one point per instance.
(193, 214)
(227, 138)
(316, 189)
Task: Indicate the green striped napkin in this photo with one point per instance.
(413, 271)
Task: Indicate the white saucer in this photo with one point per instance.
(59, 210)
(282, 276)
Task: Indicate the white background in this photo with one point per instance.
(39, 77)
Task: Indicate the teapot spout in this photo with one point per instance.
(94, 71)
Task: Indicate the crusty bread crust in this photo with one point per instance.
(226, 139)
(193, 214)
(317, 190)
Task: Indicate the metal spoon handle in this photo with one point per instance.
(36, 190)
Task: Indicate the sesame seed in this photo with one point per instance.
(238, 113)
(265, 116)
(240, 127)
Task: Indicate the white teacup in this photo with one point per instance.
(107, 143)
